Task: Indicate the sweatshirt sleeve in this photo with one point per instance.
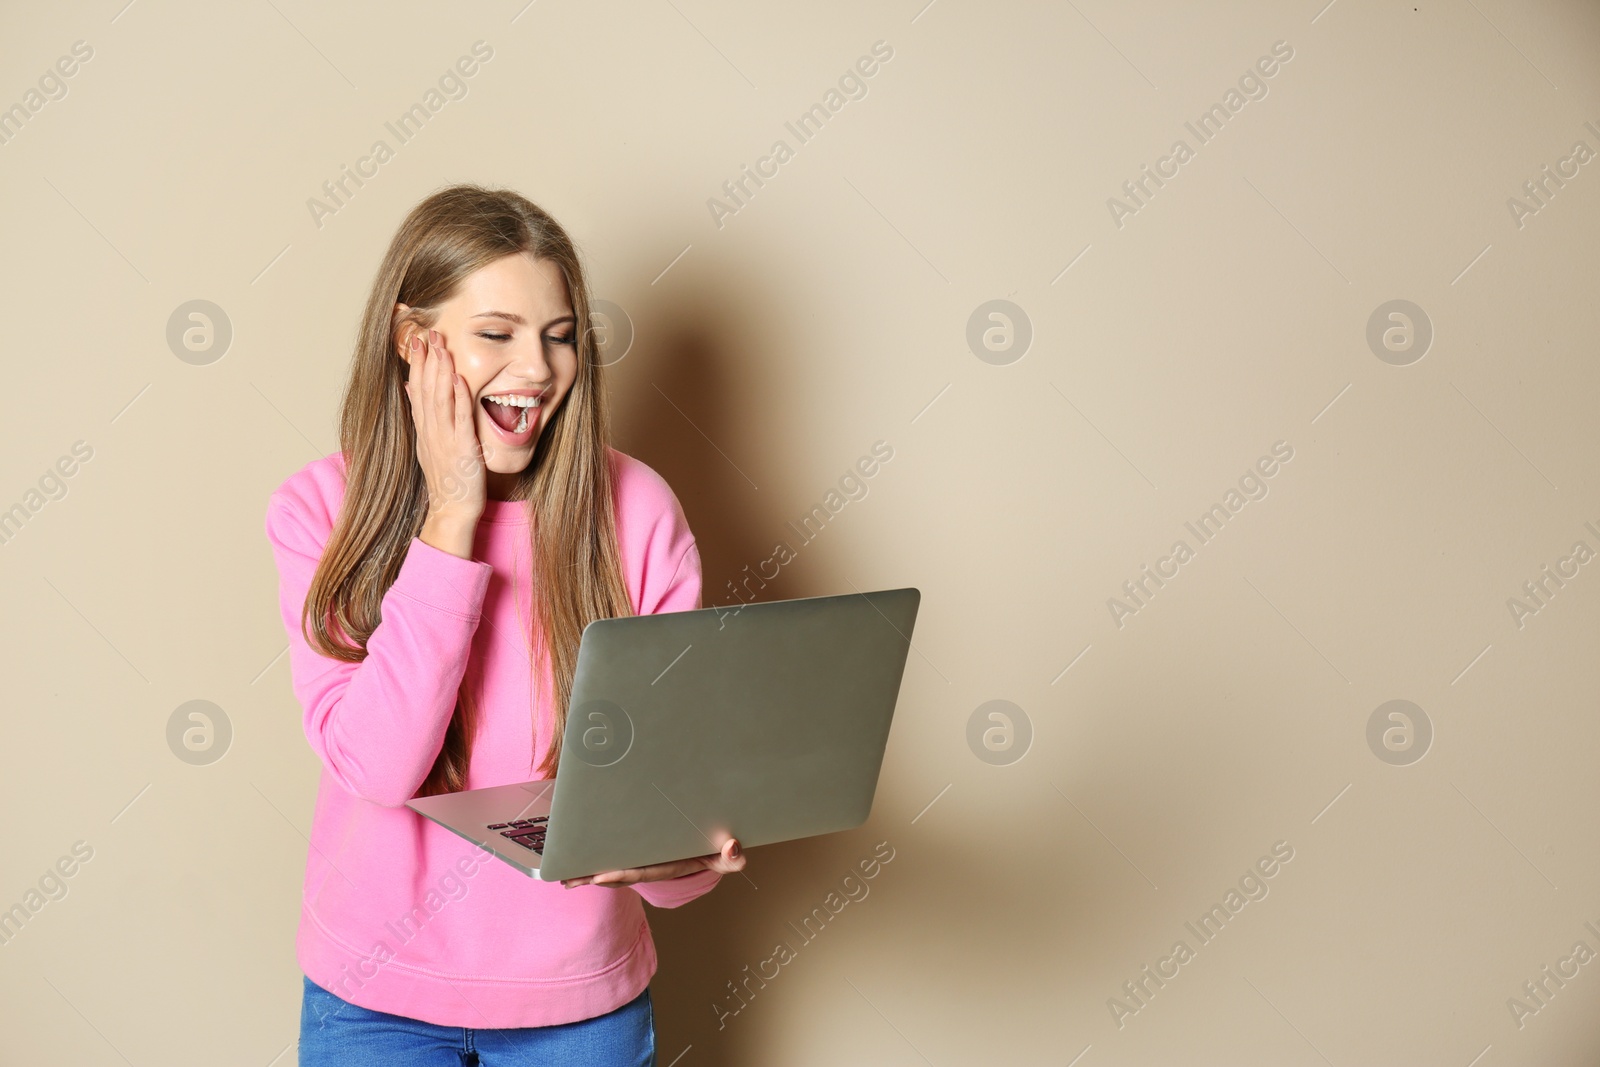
(378, 725)
(672, 583)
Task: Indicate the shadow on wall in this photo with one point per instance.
(686, 351)
(691, 351)
(677, 409)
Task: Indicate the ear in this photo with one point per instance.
(403, 327)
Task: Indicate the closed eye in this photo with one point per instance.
(553, 339)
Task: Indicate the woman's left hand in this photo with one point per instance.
(729, 861)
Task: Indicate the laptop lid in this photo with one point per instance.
(765, 722)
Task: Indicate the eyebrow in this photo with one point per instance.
(519, 320)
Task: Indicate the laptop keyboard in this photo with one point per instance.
(529, 833)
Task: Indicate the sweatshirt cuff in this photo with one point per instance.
(675, 892)
(443, 580)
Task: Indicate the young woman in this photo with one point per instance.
(435, 577)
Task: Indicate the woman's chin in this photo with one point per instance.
(507, 460)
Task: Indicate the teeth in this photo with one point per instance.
(513, 401)
(522, 422)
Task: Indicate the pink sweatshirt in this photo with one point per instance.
(399, 914)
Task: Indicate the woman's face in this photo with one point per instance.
(512, 335)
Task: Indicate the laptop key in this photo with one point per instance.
(498, 825)
(532, 844)
(523, 836)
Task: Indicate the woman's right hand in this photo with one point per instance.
(448, 448)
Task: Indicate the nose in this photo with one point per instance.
(531, 363)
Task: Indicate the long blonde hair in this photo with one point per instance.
(577, 570)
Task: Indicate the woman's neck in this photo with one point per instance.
(503, 486)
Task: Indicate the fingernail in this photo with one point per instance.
(735, 850)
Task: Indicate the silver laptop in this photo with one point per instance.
(765, 722)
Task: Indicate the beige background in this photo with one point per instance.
(831, 311)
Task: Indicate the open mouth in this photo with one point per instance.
(511, 413)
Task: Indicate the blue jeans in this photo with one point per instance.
(334, 1031)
